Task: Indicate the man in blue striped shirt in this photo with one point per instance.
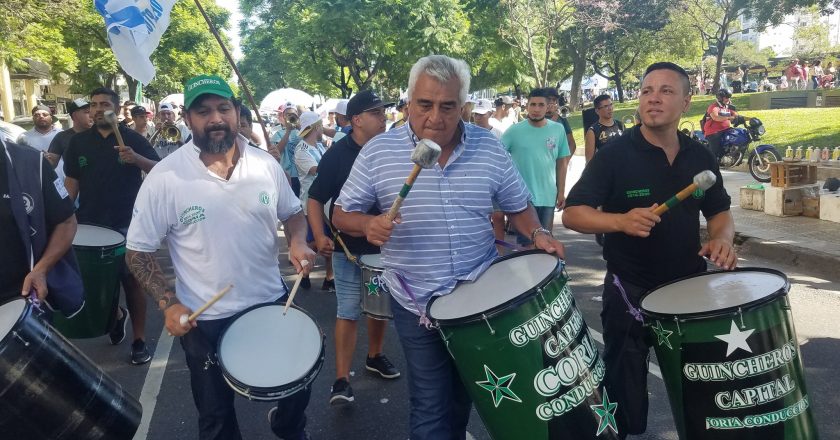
(443, 234)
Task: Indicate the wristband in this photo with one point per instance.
(537, 231)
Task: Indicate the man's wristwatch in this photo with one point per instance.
(538, 231)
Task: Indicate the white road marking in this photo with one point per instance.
(151, 386)
(653, 368)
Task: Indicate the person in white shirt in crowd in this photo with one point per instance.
(481, 116)
(342, 122)
(216, 202)
(308, 154)
(40, 136)
(163, 145)
(499, 117)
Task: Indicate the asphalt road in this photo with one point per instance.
(381, 407)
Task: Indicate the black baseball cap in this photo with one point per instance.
(364, 101)
(139, 110)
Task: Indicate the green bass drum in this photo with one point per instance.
(729, 356)
(524, 352)
(100, 252)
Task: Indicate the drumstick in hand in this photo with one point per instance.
(185, 319)
(703, 180)
(424, 155)
(295, 287)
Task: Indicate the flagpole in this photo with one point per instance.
(235, 70)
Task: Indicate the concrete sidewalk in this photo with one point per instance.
(799, 241)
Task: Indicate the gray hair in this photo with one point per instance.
(443, 69)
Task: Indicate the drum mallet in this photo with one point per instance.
(425, 154)
(292, 294)
(186, 319)
(111, 117)
(703, 180)
(350, 257)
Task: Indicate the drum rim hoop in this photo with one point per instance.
(511, 303)
(104, 248)
(25, 314)
(317, 367)
(364, 266)
(720, 313)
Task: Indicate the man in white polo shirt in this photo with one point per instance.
(216, 201)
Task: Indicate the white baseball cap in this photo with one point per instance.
(166, 106)
(341, 107)
(483, 106)
(307, 119)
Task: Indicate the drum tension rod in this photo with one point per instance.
(20, 338)
(741, 315)
(677, 321)
(484, 317)
(540, 291)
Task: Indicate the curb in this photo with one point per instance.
(819, 263)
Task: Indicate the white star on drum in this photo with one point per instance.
(736, 339)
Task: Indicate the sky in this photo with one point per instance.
(233, 34)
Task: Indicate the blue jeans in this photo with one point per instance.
(440, 405)
(546, 216)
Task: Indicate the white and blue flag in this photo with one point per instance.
(134, 29)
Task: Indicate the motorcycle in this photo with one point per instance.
(735, 143)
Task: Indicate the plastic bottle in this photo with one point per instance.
(809, 152)
(799, 153)
(835, 155)
(825, 154)
(789, 152)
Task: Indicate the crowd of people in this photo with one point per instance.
(204, 182)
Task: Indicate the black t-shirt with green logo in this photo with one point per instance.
(107, 187)
(631, 173)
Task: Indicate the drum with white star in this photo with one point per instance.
(729, 356)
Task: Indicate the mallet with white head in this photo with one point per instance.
(703, 180)
(425, 154)
(111, 117)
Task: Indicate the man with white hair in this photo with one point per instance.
(447, 229)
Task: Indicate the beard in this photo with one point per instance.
(533, 119)
(214, 146)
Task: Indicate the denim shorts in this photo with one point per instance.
(348, 278)
(546, 216)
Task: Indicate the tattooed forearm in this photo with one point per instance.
(149, 274)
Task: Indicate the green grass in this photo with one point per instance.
(799, 126)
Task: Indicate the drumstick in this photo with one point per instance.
(184, 319)
(424, 155)
(295, 287)
(350, 257)
(111, 117)
(703, 180)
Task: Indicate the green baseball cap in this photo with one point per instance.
(203, 84)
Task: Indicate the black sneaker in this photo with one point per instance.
(139, 353)
(117, 333)
(381, 365)
(329, 285)
(305, 283)
(341, 392)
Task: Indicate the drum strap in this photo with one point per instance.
(636, 313)
(424, 320)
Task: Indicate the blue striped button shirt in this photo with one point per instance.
(445, 235)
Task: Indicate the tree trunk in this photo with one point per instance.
(619, 88)
(718, 66)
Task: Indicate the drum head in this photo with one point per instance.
(97, 236)
(372, 260)
(10, 314)
(710, 292)
(262, 348)
(505, 280)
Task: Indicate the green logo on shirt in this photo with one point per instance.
(634, 193)
(193, 214)
(264, 198)
(698, 193)
(82, 161)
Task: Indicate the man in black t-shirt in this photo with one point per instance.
(599, 133)
(52, 204)
(106, 178)
(553, 113)
(648, 164)
(79, 111)
(367, 117)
